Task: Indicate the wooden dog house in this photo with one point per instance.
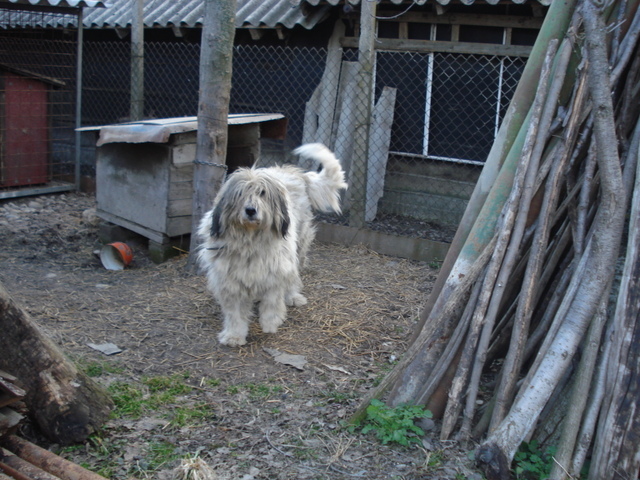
(144, 170)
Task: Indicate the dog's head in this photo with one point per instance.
(250, 200)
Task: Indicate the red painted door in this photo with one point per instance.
(25, 146)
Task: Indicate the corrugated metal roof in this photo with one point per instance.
(188, 13)
(59, 3)
(407, 2)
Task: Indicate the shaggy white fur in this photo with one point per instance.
(257, 236)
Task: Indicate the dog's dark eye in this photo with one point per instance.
(319, 168)
(263, 192)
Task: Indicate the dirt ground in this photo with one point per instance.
(267, 420)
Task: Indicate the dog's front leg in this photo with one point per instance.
(294, 298)
(272, 311)
(236, 322)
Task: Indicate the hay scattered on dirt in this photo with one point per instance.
(361, 311)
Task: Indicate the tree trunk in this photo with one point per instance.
(216, 62)
(66, 404)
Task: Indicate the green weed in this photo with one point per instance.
(531, 463)
(435, 264)
(394, 425)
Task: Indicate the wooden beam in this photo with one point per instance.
(256, 33)
(480, 20)
(362, 119)
(428, 46)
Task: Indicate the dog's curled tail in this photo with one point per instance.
(323, 185)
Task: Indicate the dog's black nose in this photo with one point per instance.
(250, 211)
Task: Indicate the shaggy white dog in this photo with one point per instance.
(257, 236)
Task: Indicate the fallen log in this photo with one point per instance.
(46, 460)
(65, 403)
(20, 469)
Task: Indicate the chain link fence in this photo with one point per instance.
(37, 104)
(431, 121)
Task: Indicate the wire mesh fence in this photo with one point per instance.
(37, 103)
(431, 119)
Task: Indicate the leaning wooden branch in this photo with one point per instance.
(474, 353)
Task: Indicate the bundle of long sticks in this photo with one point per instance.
(539, 291)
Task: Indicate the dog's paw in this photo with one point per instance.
(296, 300)
(230, 339)
(270, 323)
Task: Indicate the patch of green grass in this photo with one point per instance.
(394, 425)
(184, 416)
(103, 454)
(173, 385)
(153, 393)
(128, 399)
(339, 397)
(159, 454)
(97, 369)
(212, 382)
(331, 393)
(256, 391)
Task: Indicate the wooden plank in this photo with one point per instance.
(310, 125)
(177, 226)
(183, 173)
(403, 247)
(343, 144)
(180, 207)
(329, 82)
(428, 46)
(364, 101)
(151, 234)
(133, 183)
(184, 153)
(479, 20)
(379, 140)
(180, 190)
